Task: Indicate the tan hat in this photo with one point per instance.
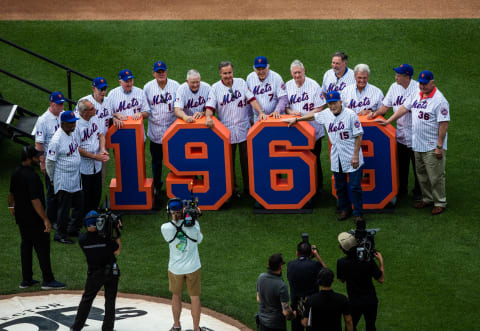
(347, 241)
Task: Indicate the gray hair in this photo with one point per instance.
(296, 63)
(341, 55)
(268, 67)
(224, 64)
(362, 68)
(193, 73)
(81, 105)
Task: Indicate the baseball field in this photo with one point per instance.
(432, 263)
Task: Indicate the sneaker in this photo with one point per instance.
(344, 214)
(28, 283)
(53, 285)
(65, 240)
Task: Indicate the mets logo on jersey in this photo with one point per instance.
(50, 152)
(444, 112)
(356, 124)
(39, 133)
(283, 87)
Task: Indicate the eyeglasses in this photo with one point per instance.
(103, 88)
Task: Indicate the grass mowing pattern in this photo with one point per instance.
(432, 263)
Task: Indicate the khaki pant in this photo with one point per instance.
(431, 176)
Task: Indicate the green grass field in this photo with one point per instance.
(432, 263)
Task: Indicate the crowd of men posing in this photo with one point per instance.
(75, 153)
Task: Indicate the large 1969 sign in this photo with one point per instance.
(281, 165)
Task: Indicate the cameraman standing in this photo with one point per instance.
(102, 271)
(358, 276)
(302, 277)
(184, 265)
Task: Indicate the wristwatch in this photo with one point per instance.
(439, 147)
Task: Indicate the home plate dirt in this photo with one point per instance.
(57, 310)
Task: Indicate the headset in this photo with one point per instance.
(174, 204)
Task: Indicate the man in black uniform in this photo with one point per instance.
(26, 202)
(302, 277)
(102, 271)
(358, 275)
(324, 309)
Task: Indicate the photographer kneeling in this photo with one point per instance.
(183, 236)
(358, 272)
(100, 249)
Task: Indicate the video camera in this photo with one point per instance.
(190, 208)
(365, 241)
(107, 223)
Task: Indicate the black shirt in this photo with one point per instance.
(26, 185)
(302, 277)
(98, 250)
(327, 309)
(358, 276)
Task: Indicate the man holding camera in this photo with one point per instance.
(358, 276)
(302, 277)
(100, 252)
(183, 236)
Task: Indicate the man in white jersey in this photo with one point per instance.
(126, 100)
(103, 112)
(160, 94)
(430, 117)
(63, 166)
(268, 88)
(192, 97)
(46, 127)
(305, 96)
(346, 158)
(398, 92)
(92, 150)
(230, 98)
(184, 263)
(340, 76)
(362, 97)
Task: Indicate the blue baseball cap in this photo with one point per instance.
(404, 69)
(91, 218)
(425, 77)
(99, 82)
(175, 204)
(159, 65)
(68, 116)
(333, 96)
(125, 75)
(57, 97)
(260, 62)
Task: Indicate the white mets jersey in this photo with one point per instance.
(306, 98)
(63, 150)
(395, 98)
(126, 103)
(427, 112)
(231, 104)
(46, 126)
(88, 133)
(332, 83)
(341, 130)
(370, 98)
(267, 92)
(191, 102)
(160, 108)
(103, 112)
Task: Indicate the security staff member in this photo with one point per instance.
(102, 271)
(26, 202)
